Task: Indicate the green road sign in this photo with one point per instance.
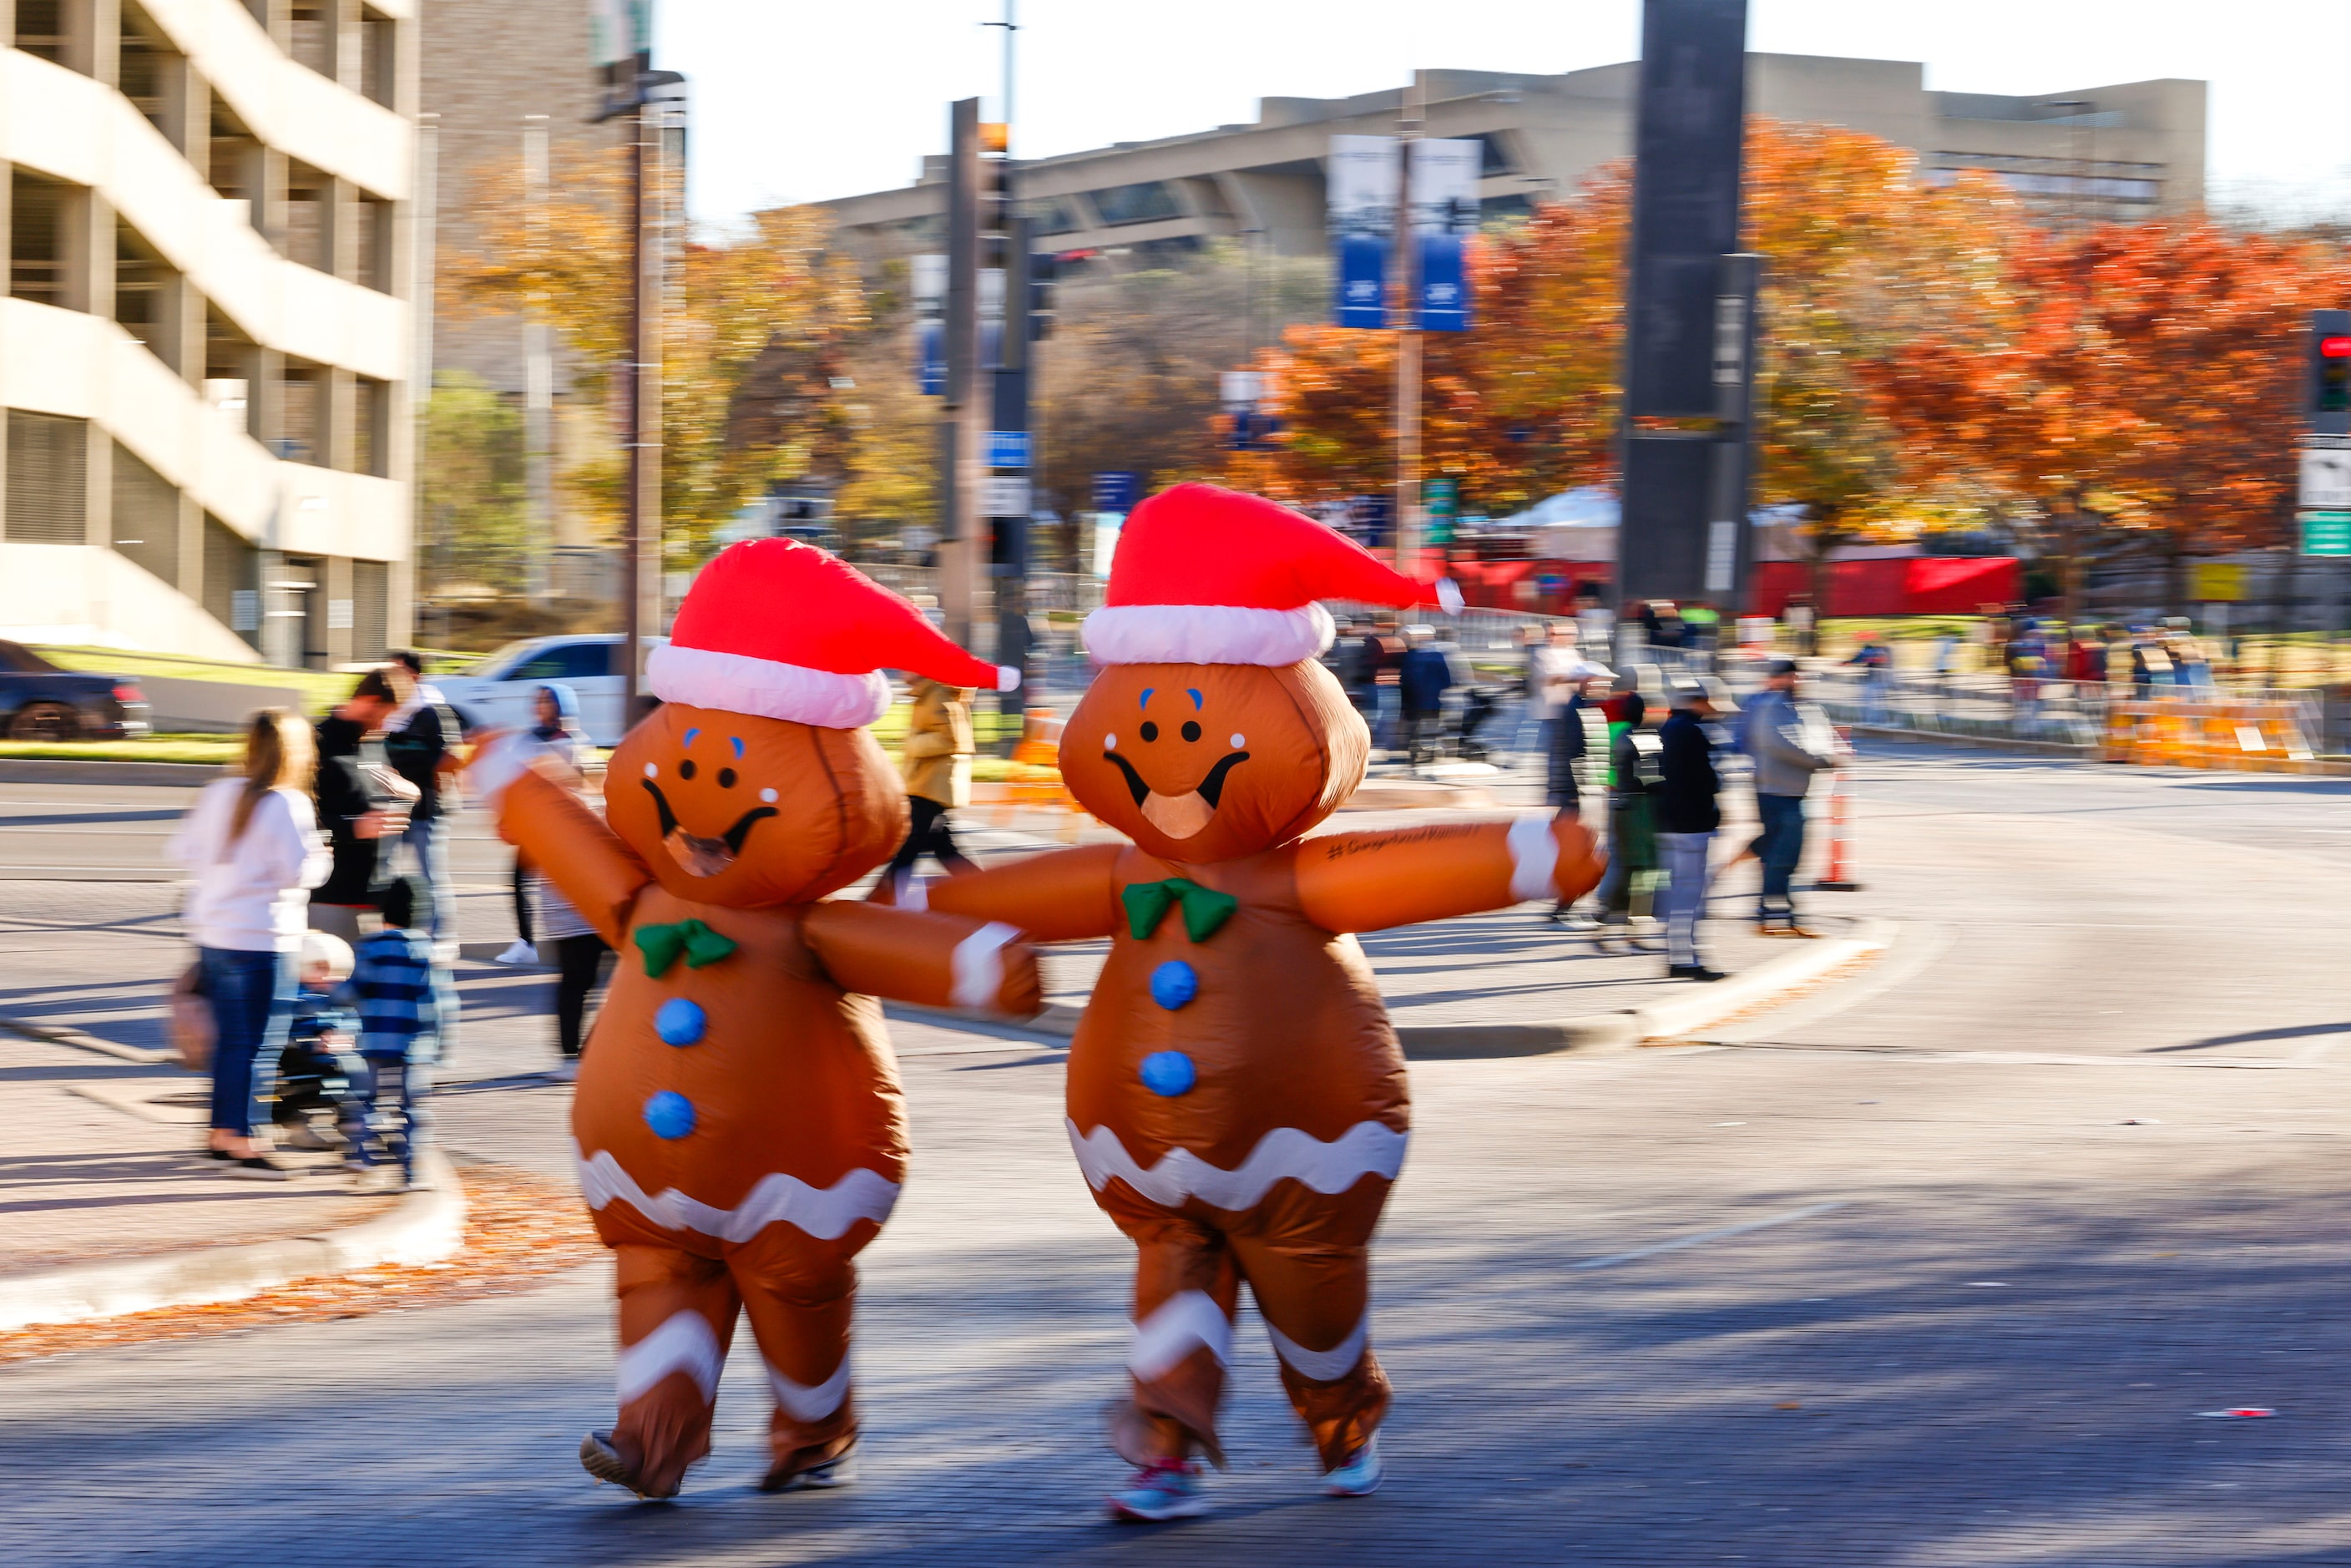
(2326, 533)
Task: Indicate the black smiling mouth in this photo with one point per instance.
(702, 856)
(1211, 789)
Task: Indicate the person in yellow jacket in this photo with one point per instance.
(937, 766)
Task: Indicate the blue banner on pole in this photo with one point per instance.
(1007, 449)
(1363, 209)
(1444, 192)
(931, 357)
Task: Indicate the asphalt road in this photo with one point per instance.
(1942, 1266)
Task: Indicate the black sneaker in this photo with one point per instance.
(1681, 971)
(1701, 973)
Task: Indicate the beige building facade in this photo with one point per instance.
(2126, 149)
(207, 341)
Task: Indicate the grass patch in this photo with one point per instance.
(320, 688)
(211, 749)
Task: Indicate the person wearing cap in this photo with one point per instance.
(1687, 817)
(1634, 780)
(1789, 747)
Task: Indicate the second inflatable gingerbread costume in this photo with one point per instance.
(739, 1128)
(1237, 1098)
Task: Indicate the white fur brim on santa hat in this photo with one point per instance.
(736, 683)
(1206, 635)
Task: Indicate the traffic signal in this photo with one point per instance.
(1044, 266)
(2330, 372)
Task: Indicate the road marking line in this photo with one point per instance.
(1697, 1237)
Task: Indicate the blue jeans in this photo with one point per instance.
(1779, 846)
(1686, 870)
(251, 998)
(429, 843)
(391, 1114)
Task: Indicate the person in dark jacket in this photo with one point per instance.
(418, 738)
(1634, 779)
(1687, 816)
(353, 808)
(1423, 678)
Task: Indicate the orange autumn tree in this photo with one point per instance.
(2135, 376)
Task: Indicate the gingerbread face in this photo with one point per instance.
(733, 810)
(1210, 762)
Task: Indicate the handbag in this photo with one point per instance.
(193, 1032)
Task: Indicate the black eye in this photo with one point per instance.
(1191, 730)
(685, 768)
(727, 779)
(1150, 730)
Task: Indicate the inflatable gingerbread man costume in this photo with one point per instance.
(1237, 1098)
(740, 1132)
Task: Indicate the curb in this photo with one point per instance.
(422, 1227)
(68, 770)
(1661, 1023)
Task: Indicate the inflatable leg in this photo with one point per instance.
(799, 1292)
(677, 1314)
(1307, 1258)
(1185, 1292)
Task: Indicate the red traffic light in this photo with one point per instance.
(2334, 348)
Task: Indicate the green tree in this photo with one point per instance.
(471, 475)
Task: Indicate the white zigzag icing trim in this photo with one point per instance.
(823, 1212)
(1367, 1148)
(804, 1403)
(1322, 1366)
(1177, 1326)
(684, 1343)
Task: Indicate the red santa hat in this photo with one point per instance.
(780, 629)
(1209, 576)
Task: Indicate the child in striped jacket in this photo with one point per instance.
(393, 989)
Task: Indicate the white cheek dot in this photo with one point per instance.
(768, 796)
(1110, 743)
(652, 770)
(1239, 739)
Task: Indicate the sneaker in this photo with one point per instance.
(521, 953)
(564, 1072)
(1359, 1477)
(1700, 973)
(1800, 932)
(376, 1179)
(600, 1459)
(307, 1138)
(256, 1167)
(1164, 1489)
(837, 1471)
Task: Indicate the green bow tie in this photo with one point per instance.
(661, 944)
(1204, 908)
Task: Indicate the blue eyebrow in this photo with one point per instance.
(1194, 695)
(689, 736)
(736, 742)
(1146, 697)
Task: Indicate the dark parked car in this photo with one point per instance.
(40, 702)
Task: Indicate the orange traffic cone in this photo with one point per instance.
(1840, 873)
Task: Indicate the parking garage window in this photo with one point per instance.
(1150, 202)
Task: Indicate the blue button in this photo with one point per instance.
(1173, 984)
(679, 1022)
(1169, 1073)
(669, 1114)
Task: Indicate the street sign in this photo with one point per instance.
(2216, 582)
(2326, 533)
(1007, 449)
(1117, 492)
(2325, 479)
(1004, 496)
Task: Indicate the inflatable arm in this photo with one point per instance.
(1061, 896)
(1367, 882)
(933, 960)
(572, 848)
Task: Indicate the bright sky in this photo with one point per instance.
(800, 99)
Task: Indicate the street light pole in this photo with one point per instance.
(1407, 387)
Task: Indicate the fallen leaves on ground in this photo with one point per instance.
(518, 1226)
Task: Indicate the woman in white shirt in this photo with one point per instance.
(253, 849)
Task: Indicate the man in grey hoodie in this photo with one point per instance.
(1789, 746)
